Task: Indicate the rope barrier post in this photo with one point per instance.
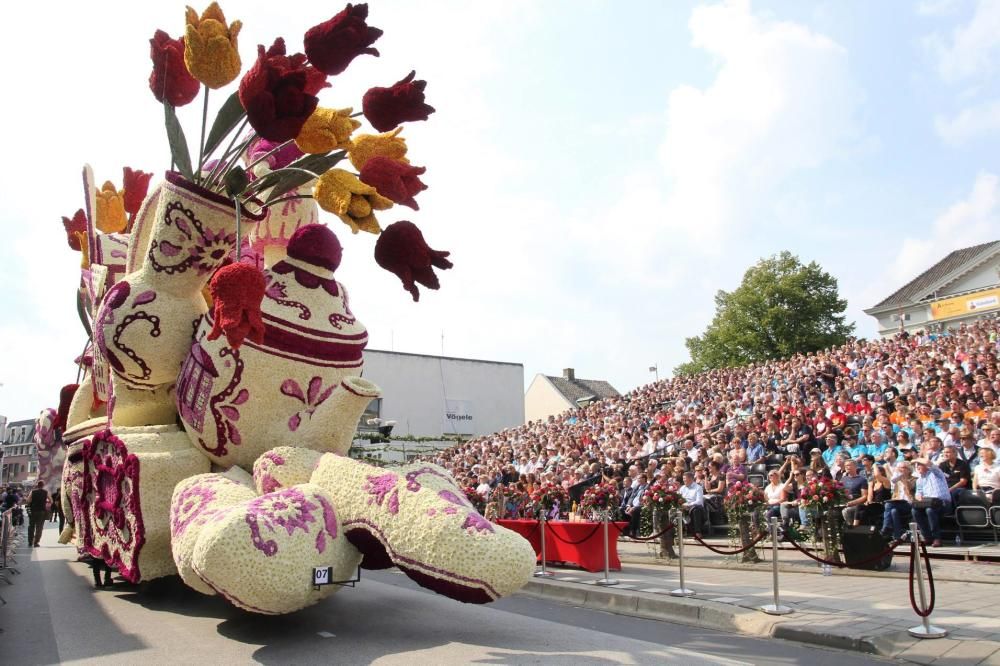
(606, 581)
(925, 629)
(680, 591)
(776, 608)
(543, 573)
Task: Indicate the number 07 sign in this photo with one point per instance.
(322, 575)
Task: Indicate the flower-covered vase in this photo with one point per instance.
(146, 321)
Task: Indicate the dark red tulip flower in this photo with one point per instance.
(386, 108)
(394, 180)
(401, 249)
(237, 291)
(135, 185)
(279, 92)
(170, 81)
(333, 44)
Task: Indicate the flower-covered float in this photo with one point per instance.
(222, 383)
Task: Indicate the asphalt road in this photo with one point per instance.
(55, 616)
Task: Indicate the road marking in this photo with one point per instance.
(326, 634)
(727, 600)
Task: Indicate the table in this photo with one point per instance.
(581, 544)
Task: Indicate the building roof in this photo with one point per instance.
(923, 286)
(577, 389)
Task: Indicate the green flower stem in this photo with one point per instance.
(254, 190)
(228, 160)
(201, 141)
(288, 198)
(358, 114)
(227, 152)
(268, 154)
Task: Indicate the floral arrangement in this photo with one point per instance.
(293, 140)
(518, 502)
(743, 498)
(822, 494)
(599, 500)
(662, 497)
(549, 497)
(476, 499)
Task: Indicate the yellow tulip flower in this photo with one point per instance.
(327, 129)
(388, 144)
(341, 193)
(110, 213)
(210, 50)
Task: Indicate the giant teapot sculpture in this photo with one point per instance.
(253, 490)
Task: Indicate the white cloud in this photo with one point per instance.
(937, 7)
(969, 123)
(972, 220)
(969, 52)
(781, 101)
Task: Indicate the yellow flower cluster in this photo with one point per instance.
(341, 193)
(388, 144)
(211, 52)
(110, 214)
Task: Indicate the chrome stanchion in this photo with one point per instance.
(776, 608)
(925, 629)
(606, 581)
(679, 526)
(543, 573)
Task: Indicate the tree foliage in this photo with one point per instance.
(781, 308)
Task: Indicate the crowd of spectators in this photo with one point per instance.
(911, 422)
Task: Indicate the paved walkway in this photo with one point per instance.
(860, 610)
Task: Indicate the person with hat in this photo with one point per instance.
(931, 497)
(968, 451)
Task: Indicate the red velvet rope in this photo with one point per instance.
(890, 548)
(655, 536)
(930, 580)
(760, 537)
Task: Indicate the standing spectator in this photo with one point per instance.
(39, 505)
(931, 498)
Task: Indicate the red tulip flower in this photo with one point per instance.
(237, 291)
(279, 92)
(333, 44)
(76, 228)
(170, 81)
(401, 249)
(386, 108)
(394, 180)
(135, 185)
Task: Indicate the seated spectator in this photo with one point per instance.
(968, 451)
(856, 488)
(957, 473)
(986, 479)
(833, 447)
(776, 493)
(898, 510)
(694, 503)
(931, 498)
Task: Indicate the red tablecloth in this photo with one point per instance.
(575, 543)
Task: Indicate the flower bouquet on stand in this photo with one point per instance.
(822, 499)
(599, 501)
(550, 500)
(744, 504)
(657, 503)
(476, 499)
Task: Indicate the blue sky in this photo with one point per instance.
(598, 169)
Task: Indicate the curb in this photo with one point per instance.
(703, 614)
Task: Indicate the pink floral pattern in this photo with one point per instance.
(312, 397)
(287, 510)
(190, 507)
(380, 487)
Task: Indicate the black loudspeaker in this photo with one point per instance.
(863, 543)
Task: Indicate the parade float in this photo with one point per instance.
(222, 383)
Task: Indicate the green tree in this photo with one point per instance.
(781, 308)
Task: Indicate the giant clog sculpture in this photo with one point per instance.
(223, 385)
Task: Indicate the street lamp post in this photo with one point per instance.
(656, 371)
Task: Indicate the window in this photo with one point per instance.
(372, 411)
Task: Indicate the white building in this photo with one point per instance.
(963, 286)
(435, 396)
(549, 395)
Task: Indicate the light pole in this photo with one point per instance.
(656, 371)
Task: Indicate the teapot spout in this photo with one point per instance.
(336, 421)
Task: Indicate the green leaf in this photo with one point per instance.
(284, 180)
(236, 181)
(83, 310)
(229, 116)
(178, 144)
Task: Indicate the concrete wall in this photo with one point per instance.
(542, 400)
(415, 388)
(985, 277)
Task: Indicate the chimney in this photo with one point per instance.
(569, 374)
